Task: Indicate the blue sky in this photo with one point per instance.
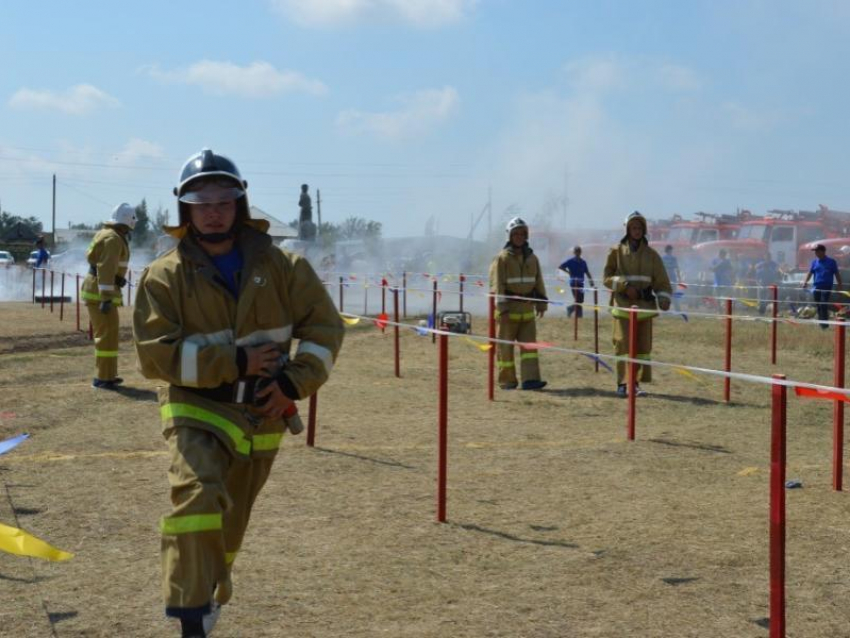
(399, 110)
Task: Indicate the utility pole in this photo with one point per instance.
(318, 212)
(53, 223)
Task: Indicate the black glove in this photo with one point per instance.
(120, 281)
(106, 306)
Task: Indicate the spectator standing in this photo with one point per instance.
(825, 270)
(577, 268)
(671, 265)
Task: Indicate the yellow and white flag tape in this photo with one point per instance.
(351, 321)
(17, 541)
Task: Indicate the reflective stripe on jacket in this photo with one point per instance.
(109, 254)
(187, 328)
(641, 269)
(516, 272)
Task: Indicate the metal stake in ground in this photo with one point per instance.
(311, 420)
(442, 424)
(77, 283)
(460, 290)
(838, 410)
(404, 289)
(33, 285)
(596, 328)
(43, 285)
(774, 324)
(383, 296)
(52, 273)
(491, 353)
(727, 381)
(396, 336)
(129, 287)
(576, 307)
(434, 311)
(62, 299)
(632, 389)
(341, 308)
(777, 509)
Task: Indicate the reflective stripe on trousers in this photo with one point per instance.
(212, 493)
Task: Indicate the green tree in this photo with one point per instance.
(9, 222)
(142, 232)
(160, 218)
(83, 226)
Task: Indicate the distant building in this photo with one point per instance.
(70, 236)
(277, 229)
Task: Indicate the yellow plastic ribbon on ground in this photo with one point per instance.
(17, 541)
(484, 347)
(690, 375)
(752, 303)
(351, 321)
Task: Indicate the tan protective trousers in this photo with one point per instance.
(212, 493)
(644, 348)
(522, 331)
(105, 331)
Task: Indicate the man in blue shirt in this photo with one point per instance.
(577, 269)
(43, 256)
(824, 270)
(724, 274)
(671, 265)
(767, 274)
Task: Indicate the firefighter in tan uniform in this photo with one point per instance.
(636, 275)
(515, 272)
(108, 256)
(215, 319)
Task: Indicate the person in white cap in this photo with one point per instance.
(108, 256)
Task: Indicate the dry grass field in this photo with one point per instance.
(558, 527)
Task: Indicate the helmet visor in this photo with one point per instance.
(211, 192)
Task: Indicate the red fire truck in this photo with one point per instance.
(782, 232)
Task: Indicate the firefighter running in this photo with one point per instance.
(515, 272)
(636, 276)
(108, 256)
(215, 319)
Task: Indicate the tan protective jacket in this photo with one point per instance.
(642, 269)
(515, 272)
(187, 328)
(109, 253)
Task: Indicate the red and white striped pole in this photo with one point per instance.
(838, 410)
(491, 353)
(632, 389)
(777, 509)
(442, 424)
(727, 381)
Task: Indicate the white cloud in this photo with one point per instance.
(598, 74)
(678, 78)
(256, 80)
(419, 13)
(78, 100)
(749, 119)
(138, 149)
(418, 112)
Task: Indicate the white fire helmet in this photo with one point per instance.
(516, 222)
(638, 216)
(124, 214)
